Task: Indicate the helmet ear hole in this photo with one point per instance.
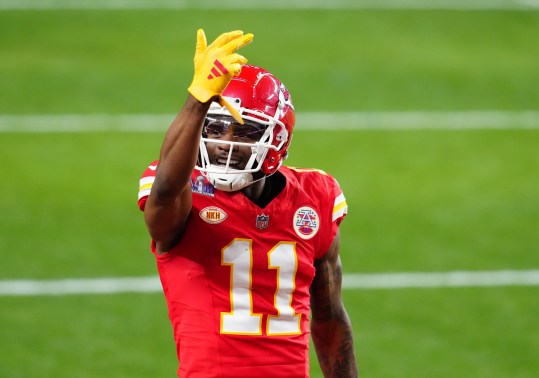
(235, 101)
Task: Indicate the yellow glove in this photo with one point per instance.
(216, 64)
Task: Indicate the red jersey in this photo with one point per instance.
(237, 284)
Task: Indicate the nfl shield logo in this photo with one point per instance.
(262, 221)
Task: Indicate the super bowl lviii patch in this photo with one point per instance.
(201, 186)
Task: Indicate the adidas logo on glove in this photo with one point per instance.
(215, 70)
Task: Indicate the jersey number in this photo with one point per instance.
(241, 320)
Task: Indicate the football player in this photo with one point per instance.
(247, 249)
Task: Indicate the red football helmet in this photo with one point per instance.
(266, 108)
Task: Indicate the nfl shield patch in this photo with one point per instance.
(262, 221)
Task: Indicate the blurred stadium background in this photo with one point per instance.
(426, 111)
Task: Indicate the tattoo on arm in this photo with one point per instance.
(331, 328)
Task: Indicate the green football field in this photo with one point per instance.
(457, 189)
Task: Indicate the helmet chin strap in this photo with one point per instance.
(228, 182)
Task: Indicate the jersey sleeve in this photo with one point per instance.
(146, 183)
(340, 207)
(335, 209)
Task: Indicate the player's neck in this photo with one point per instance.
(263, 191)
(255, 191)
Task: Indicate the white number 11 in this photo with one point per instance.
(241, 320)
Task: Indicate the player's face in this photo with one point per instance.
(228, 134)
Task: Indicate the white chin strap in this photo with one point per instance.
(228, 182)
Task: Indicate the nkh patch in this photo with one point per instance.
(262, 221)
(306, 222)
(213, 215)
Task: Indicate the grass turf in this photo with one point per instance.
(419, 200)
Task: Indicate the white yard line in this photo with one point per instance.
(368, 281)
(446, 279)
(80, 286)
(327, 121)
(271, 4)
(457, 120)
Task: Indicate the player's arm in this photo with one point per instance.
(169, 203)
(331, 329)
